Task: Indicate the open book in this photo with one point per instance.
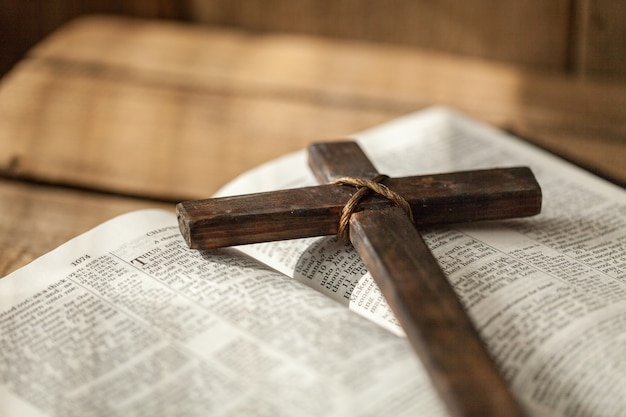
(125, 320)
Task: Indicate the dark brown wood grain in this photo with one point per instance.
(581, 37)
(419, 294)
(332, 160)
(428, 310)
(315, 211)
(598, 40)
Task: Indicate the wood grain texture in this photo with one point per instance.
(37, 218)
(599, 41)
(332, 160)
(419, 294)
(530, 33)
(24, 23)
(315, 211)
(170, 98)
(435, 322)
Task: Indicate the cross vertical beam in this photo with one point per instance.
(419, 294)
(391, 247)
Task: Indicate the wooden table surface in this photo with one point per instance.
(109, 115)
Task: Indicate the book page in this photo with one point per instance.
(547, 294)
(126, 321)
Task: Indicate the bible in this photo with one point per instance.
(126, 320)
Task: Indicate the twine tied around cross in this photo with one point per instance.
(364, 186)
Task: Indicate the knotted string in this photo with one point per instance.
(364, 187)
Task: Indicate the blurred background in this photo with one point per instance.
(115, 113)
(584, 38)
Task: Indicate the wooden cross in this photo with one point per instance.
(392, 249)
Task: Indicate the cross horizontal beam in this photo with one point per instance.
(420, 295)
(314, 211)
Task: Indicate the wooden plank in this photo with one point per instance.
(37, 218)
(434, 320)
(600, 38)
(418, 292)
(359, 75)
(23, 24)
(156, 140)
(331, 161)
(315, 211)
(174, 111)
(530, 32)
